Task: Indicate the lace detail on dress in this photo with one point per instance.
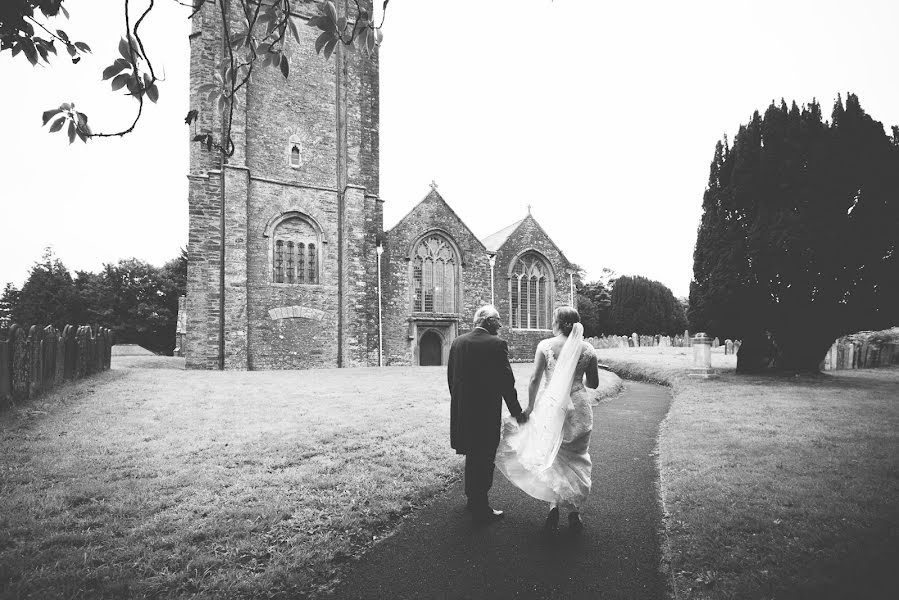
(583, 361)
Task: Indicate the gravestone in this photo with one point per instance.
(702, 357)
(715, 343)
(636, 339)
(728, 347)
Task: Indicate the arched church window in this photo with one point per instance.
(296, 252)
(294, 152)
(434, 265)
(530, 293)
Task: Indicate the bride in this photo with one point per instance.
(547, 456)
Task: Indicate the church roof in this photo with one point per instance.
(435, 197)
(494, 241)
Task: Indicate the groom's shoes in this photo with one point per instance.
(485, 516)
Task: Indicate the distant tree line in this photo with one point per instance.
(629, 304)
(136, 300)
(798, 239)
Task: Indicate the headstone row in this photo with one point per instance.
(36, 360)
(846, 354)
(639, 341)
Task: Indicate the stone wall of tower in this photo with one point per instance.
(324, 106)
(529, 236)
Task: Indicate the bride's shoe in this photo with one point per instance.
(575, 525)
(552, 521)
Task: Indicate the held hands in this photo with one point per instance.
(522, 417)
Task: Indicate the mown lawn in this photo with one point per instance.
(152, 481)
(777, 487)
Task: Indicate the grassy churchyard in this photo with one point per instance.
(149, 480)
(776, 487)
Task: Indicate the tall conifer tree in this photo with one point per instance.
(797, 243)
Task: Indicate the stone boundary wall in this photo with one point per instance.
(35, 360)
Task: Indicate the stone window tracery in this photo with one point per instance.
(295, 260)
(529, 294)
(434, 263)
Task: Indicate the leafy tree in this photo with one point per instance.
(8, 300)
(137, 301)
(262, 28)
(593, 303)
(646, 307)
(48, 296)
(798, 239)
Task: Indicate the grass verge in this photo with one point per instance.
(152, 481)
(776, 487)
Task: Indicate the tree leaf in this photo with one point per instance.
(115, 68)
(322, 40)
(134, 88)
(285, 69)
(191, 117)
(293, 28)
(124, 50)
(64, 11)
(199, 137)
(153, 93)
(30, 51)
(120, 80)
(57, 124)
(62, 35)
(49, 114)
(72, 131)
(72, 50)
(82, 46)
(320, 21)
(370, 41)
(329, 48)
(43, 52)
(331, 14)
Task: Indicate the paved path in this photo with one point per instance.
(438, 553)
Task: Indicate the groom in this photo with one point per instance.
(479, 377)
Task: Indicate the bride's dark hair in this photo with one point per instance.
(564, 318)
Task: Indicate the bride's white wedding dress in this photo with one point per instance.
(547, 457)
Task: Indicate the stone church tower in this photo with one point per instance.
(284, 237)
(282, 262)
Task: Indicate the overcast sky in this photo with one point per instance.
(602, 116)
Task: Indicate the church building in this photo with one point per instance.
(289, 264)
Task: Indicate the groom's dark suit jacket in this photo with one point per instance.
(479, 377)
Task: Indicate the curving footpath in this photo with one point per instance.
(438, 553)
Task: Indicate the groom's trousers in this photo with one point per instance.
(479, 477)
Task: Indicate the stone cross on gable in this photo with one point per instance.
(433, 185)
(529, 209)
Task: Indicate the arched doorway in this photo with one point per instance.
(430, 350)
